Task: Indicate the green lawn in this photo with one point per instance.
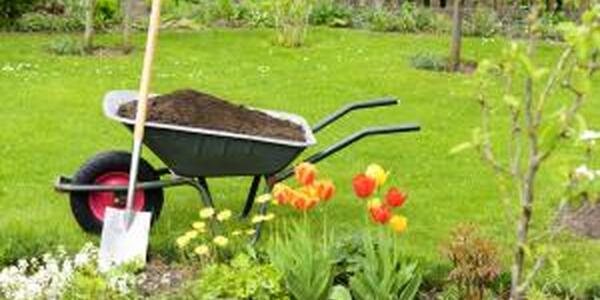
(51, 122)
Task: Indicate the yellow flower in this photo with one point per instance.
(269, 217)
(182, 241)
(200, 226)
(250, 231)
(202, 250)
(398, 223)
(236, 232)
(206, 213)
(220, 240)
(264, 198)
(191, 234)
(257, 219)
(224, 215)
(377, 172)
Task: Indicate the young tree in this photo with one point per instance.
(127, 7)
(457, 18)
(88, 36)
(536, 131)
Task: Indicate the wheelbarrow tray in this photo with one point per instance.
(199, 152)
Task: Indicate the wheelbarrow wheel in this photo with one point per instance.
(112, 168)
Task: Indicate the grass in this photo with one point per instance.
(51, 122)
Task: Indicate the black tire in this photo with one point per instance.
(102, 163)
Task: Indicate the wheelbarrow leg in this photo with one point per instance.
(202, 187)
(262, 209)
(251, 196)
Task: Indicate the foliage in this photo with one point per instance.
(310, 192)
(382, 273)
(483, 22)
(331, 13)
(241, 278)
(429, 61)
(65, 46)
(33, 22)
(12, 10)
(305, 261)
(291, 21)
(409, 19)
(475, 261)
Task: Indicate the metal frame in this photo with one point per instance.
(65, 184)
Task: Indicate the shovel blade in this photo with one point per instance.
(121, 243)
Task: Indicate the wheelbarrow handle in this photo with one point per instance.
(350, 107)
(347, 141)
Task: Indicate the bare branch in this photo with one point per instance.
(539, 263)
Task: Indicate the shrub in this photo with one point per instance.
(291, 21)
(383, 20)
(242, 278)
(428, 61)
(381, 272)
(65, 46)
(12, 10)
(330, 13)
(475, 262)
(484, 22)
(305, 261)
(33, 22)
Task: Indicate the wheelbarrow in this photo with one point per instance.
(192, 155)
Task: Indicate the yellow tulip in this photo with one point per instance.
(377, 172)
(398, 223)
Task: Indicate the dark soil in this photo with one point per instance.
(195, 109)
(583, 220)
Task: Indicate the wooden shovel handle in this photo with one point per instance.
(147, 71)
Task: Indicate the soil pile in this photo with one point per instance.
(195, 109)
(584, 220)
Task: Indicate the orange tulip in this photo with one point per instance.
(325, 189)
(305, 173)
(282, 193)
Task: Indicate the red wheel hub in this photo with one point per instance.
(99, 201)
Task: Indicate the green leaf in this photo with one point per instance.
(339, 292)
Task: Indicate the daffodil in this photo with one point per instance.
(377, 172)
(202, 250)
(224, 215)
(220, 241)
(206, 213)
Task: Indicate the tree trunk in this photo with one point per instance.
(457, 16)
(127, 20)
(88, 36)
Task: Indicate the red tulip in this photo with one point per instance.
(305, 173)
(380, 213)
(325, 189)
(395, 198)
(363, 185)
(303, 201)
(282, 193)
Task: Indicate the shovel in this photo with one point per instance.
(125, 232)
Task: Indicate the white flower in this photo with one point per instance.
(589, 135)
(264, 198)
(584, 172)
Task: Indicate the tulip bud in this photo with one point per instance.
(394, 197)
(376, 172)
(325, 189)
(398, 223)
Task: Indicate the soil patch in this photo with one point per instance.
(583, 220)
(160, 278)
(195, 109)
